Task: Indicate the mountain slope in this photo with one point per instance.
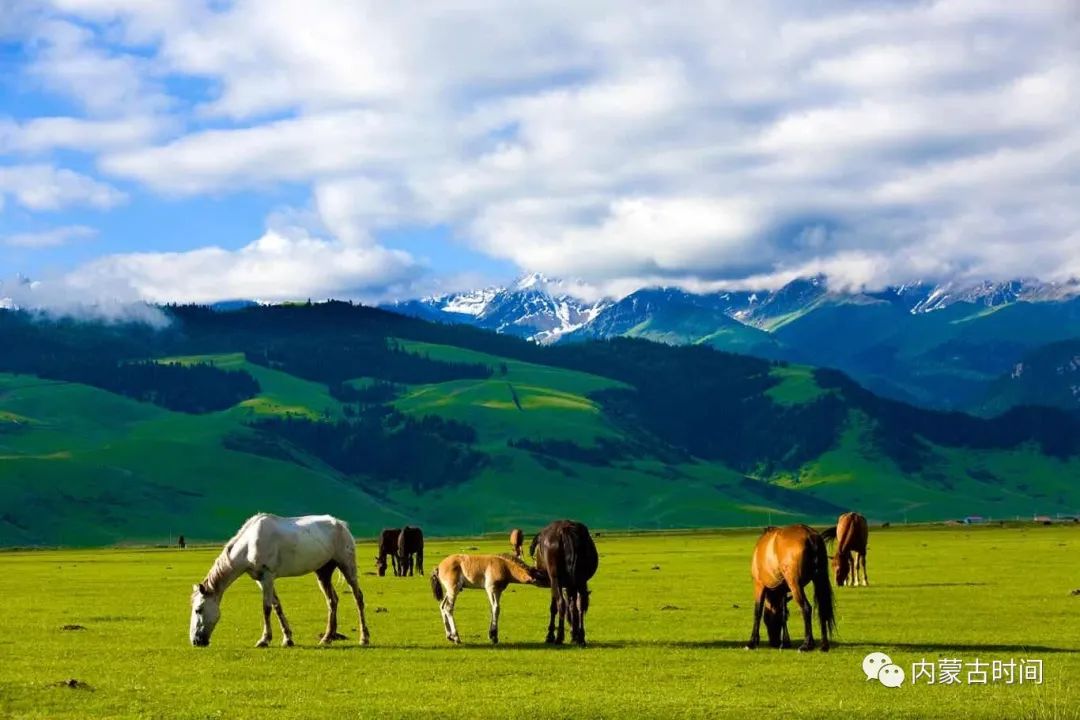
(386, 419)
(1049, 375)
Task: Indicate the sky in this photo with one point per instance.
(203, 150)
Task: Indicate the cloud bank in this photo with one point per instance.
(716, 143)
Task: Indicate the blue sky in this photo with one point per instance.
(182, 150)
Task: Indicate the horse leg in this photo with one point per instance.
(266, 582)
(325, 575)
(348, 569)
(286, 631)
(494, 593)
(448, 615)
(799, 598)
(862, 564)
(555, 594)
(785, 638)
(420, 561)
(759, 607)
(580, 601)
(560, 634)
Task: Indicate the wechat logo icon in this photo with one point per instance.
(879, 666)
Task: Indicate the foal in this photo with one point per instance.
(490, 572)
(517, 539)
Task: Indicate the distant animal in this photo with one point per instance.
(492, 573)
(388, 542)
(852, 534)
(517, 539)
(268, 547)
(785, 560)
(565, 551)
(410, 544)
(181, 542)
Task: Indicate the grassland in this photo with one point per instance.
(669, 616)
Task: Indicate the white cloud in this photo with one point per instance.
(284, 264)
(44, 187)
(49, 238)
(624, 143)
(43, 134)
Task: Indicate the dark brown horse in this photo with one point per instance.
(517, 539)
(388, 542)
(410, 544)
(785, 560)
(566, 552)
(851, 533)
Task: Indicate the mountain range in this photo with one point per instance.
(125, 432)
(943, 346)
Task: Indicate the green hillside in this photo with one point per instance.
(385, 420)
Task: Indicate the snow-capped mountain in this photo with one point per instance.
(546, 310)
(534, 307)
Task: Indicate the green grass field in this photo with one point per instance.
(669, 616)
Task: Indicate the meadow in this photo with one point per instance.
(670, 614)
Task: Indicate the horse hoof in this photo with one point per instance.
(262, 643)
(365, 640)
(805, 647)
(287, 642)
(824, 647)
(550, 639)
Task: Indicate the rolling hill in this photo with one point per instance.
(385, 419)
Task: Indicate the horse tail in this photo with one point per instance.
(532, 547)
(823, 594)
(570, 552)
(436, 584)
(828, 533)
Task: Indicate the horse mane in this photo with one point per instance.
(223, 564)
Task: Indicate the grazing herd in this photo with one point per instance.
(784, 562)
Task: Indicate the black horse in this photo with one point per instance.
(566, 552)
(410, 543)
(388, 544)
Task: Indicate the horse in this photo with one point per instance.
(490, 572)
(410, 542)
(388, 542)
(852, 533)
(268, 547)
(784, 561)
(517, 539)
(567, 554)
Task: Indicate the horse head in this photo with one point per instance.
(380, 565)
(205, 613)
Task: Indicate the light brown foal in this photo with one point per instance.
(490, 572)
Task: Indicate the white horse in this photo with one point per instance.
(268, 547)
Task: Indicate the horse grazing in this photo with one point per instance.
(490, 572)
(566, 552)
(517, 539)
(410, 543)
(851, 533)
(268, 547)
(785, 560)
(388, 542)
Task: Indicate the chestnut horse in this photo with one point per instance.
(410, 543)
(492, 573)
(851, 533)
(517, 538)
(388, 544)
(785, 560)
(566, 552)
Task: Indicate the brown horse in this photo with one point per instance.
(566, 552)
(851, 533)
(517, 539)
(388, 543)
(410, 543)
(490, 572)
(785, 560)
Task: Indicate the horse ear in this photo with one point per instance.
(201, 589)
